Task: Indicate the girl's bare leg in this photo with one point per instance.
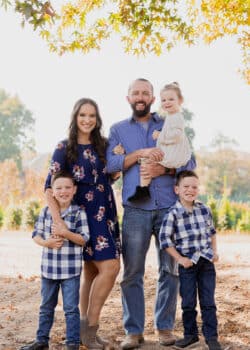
(144, 181)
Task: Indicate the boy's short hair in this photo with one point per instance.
(62, 173)
(184, 173)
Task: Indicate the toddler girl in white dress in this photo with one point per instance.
(172, 139)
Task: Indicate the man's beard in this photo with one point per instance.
(141, 112)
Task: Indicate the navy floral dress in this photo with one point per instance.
(95, 195)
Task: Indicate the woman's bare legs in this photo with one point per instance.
(89, 274)
(98, 281)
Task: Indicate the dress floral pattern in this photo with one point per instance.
(95, 195)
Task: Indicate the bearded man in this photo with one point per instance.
(142, 218)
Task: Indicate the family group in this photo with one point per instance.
(79, 228)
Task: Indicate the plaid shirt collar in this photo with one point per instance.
(71, 209)
(181, 209)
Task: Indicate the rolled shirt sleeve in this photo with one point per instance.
(166, 231)
(114, 161)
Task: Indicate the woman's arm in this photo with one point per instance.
(53, 206)
(58, 163)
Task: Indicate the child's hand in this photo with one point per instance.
(119, 149)
(155, 134)
(54, 243)
(59, 230)
(185, 262)
(215, 257)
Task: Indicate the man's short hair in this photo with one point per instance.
(184, 173)
(145, 81)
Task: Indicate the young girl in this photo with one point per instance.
(172, 139)
(83, 155)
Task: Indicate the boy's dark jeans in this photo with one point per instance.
(199, 277)
(70, 293)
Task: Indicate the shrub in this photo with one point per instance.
(243, 224)
(15, 218)
(212, 203)
(32, 213)
(1, 216)
(226, 215)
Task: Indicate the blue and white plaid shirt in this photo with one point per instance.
(65, 262)
(189, 232)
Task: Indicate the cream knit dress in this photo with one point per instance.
(174, 142)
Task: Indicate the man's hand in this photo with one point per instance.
(154, 154)
(185, 262)
(54, 243)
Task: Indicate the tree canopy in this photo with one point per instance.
(149, 26)
(16, 124)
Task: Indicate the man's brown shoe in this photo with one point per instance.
(132, 341)
(166, 337)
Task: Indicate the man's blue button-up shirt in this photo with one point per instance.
(133, 136)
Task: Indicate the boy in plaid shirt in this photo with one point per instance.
(187, 233)
(61, 263)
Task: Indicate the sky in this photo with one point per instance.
(49, 85)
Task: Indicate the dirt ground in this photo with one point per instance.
(20, 297)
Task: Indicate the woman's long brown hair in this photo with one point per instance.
(98, 141)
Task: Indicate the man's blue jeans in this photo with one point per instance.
(70, 293)
(138, 227)
(201, 277)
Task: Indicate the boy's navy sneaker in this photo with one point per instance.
(186, 341)
(36, 345)
(213, 344)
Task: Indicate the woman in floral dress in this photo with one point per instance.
(83, 155)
